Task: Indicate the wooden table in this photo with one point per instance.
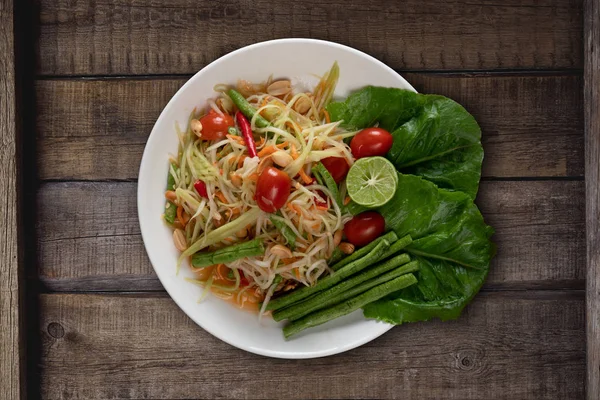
(82, 314)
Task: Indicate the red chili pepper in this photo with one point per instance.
(200, 187)
(246, 133)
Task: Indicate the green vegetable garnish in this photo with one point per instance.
(434, 136)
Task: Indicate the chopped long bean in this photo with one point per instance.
(229, 254)
(344, 290)
(348, 306)
(325, 178)
(285, 230)
(331, 280)
(246, 108)
(390, 237)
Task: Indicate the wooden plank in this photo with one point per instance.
(592, 179)
(89, 239)
(102, 37)
(97, 129)
(525, 345)
(11, 350)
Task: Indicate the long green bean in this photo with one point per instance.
(348, 306)
(285, 230)
(390, 237)
(229, 254)
(397, 246)
(331, 280)
(246, 108)
(341, 291)
(325, 178)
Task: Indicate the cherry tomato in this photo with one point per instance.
(337, 166)
(371, 142)
(214, 125)
(272, 189)
(200, 187)
(364, 228)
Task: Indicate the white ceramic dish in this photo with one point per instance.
(300, 60)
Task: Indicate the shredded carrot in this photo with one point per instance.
(310, 237)
(221, 196)
(293, 208)
(236, 138)
(297, 272)
(294, 151)
(253, 177)
(282, 145)
(327, 118)
(307, 179)
(260, 142)
(290, 260)
(322, 208)
(347, 200)
(267, 150)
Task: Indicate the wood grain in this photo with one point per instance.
(97, 129)
(524, 345)
(592, 172)
(100, 37)
(89, 236)
(11, 350)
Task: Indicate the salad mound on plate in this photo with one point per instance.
(292, 205)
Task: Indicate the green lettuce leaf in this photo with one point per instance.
(434, 137)
(451, 242)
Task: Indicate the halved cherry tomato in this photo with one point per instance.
(200, 187)
(272, 189)
(214, 125)
(364, 228)
(337, 166)
(371, 142)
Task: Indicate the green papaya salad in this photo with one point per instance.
(289, 204)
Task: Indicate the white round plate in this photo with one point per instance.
(296, 59)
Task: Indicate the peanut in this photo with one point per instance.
(196, 127)
(281, 158)
(346, 248)
(279, 88)
(179, 240)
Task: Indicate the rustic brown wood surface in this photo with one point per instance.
(106, 123)
(507, 345)
(105, 69)
(149, 37)
(592, 181)
(11, 308)
(89, 238)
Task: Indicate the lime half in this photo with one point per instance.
(372, 181)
